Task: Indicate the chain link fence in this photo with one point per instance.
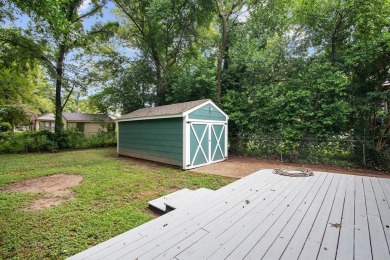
(340, 152)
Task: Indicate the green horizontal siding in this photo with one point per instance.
(207, 112)
(154, 148)
(172, 143)
(163, 131)
(158, 139)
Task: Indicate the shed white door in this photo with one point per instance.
(207, 143)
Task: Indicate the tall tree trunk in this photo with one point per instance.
(335, 32)
(222, 49)
(58, 124)
(219, 80)
(159, 81)
(160, 87)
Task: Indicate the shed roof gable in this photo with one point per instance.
(174, 110)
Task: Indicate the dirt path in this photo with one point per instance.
(238, 167)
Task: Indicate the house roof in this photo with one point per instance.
(76, 117)
(174, 109)
(46, 117)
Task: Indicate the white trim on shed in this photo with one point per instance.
(189, 136)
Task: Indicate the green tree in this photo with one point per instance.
(195, 80)
(165, 32)
(354, 37)
(23, 80)
(228, 12)
(131, 89)
(56, 33)
(16, 115)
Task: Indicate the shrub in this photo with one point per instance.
(45, 141)
(25, 142)
(5, 127)
(378, 160)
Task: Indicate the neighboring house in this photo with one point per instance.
(45, 122)
(86, 123)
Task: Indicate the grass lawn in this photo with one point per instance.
(111, 200)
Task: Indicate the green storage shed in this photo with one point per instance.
(189, 134)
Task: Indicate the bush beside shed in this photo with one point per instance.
(189, 134)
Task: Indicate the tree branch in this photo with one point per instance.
(132, 19)
(93, 11)
(31, 50)
(67, 98)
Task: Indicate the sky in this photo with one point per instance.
(107, 15)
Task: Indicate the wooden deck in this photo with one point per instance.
(268, 216)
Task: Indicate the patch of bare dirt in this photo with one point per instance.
(54, 189)
(146, 165)
(238, 167)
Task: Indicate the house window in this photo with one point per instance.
(80, 127)
(46, 125)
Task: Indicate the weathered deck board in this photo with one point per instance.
(257, 216)
(267, 216)
(243, 214)
(331, 237)
(282, 239)
(377, 235)
(264, 240)
(362, 234)
(294, 248)
(312, 245)
(177, 248)
(383, 208)
(345, 250)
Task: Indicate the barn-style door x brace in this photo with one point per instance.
(218, 139)
(200, 144)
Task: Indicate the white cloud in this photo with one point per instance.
(84, 6)
(244, 14)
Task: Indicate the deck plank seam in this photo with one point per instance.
(341, 221)
(321, 207)
(287, 180)
(270, 213)
(380, 213)
(294, 214)
(304, 196)
(330, 213)
(369, 180)
(368, 222)
(275, 207)
(327, 189)
(259, 195)
(259, 202)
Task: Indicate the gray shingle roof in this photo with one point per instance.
(76, 117)
(173, 109)
(46, 117)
